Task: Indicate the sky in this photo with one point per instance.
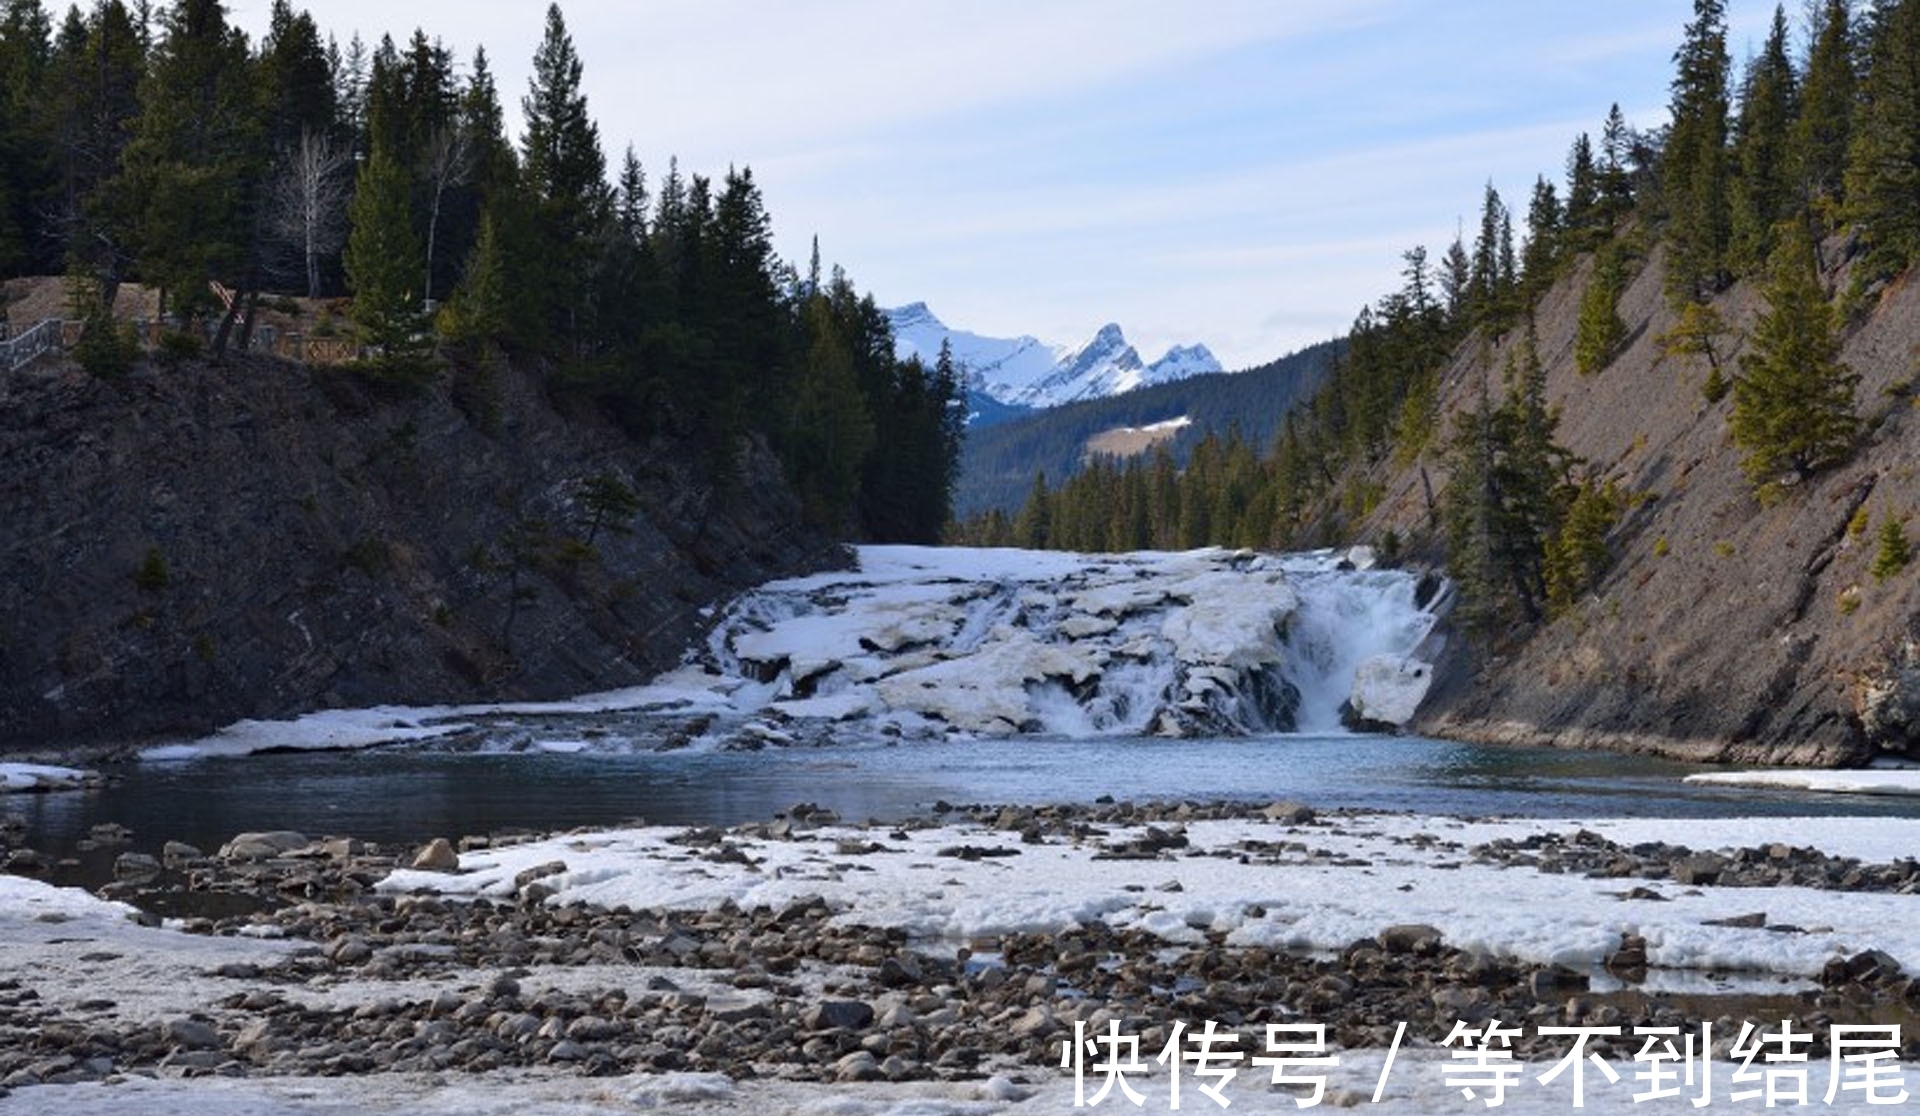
(1241, 173)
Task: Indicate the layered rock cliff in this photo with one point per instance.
(1729, 628)
(197, 543)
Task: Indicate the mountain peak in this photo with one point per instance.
(1025, 372)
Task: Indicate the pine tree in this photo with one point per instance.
(1817, 147)
(1583, 195)
(1616, 184)
(1600, 329)
(1894, 553)
(1695, 162)
(1793, 402)
(1456, 284)
(383, 264)
(1762, 192)
(830, 432)
(1032, 528)
(190, 171)
(1577, 555)
(1544, 230)
(1883, 158)
(565, 172)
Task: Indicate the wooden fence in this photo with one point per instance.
(55, 334)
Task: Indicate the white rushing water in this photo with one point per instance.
(1001, 642)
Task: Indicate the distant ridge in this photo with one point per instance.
(1027, 372)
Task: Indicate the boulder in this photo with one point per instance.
(1888, 702)
(1412, 937)
(437, 856)
(263, 846)
(1387, 691)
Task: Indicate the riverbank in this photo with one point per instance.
(942, 961)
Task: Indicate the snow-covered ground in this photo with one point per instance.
(40, 777)
(1375, 870)
(1875, 780)
(1417, 1083)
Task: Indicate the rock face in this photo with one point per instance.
(1728, 629)
(194, 544)
(1888, 701)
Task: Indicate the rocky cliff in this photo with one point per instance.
(1729, 629)
(197, 543)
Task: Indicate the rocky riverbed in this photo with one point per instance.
(792, 956)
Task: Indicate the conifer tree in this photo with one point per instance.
(1542, 255)
(1616, 184)
(1583, 195)
(1600, 329)
(192, 166)
(1817, 146)
(830, 431)
(565, 172)
(1577, 555)
(383, 264)
(26, 56)
(1893, 553)
(1883, 158)
(1762, 192)
(1032, 528)
(1694, 176)
(1456, 284)
(1793, 402)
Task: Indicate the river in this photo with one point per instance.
(411, 794)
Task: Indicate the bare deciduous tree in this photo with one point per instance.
(309, 204)
(450, 161)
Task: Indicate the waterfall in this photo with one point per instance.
(1002, 642)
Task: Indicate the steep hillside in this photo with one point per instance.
(1728, 628)
(197, 543)
(998, 463)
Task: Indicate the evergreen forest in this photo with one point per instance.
(157, 145)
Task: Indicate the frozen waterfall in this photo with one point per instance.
(920, 641)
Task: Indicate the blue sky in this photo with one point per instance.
(1244, 173)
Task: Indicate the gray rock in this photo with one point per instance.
(838, 1014)
(179, 852)
(538, 872)
(1555, 981)
(350, 950)
(263, 845)
(857, 1066)
(135, 866)
(1410, 937)
(1289, 813)
(438, 856)
(191, 1034)
(1698, 870)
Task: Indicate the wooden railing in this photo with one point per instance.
(54, 334)
(42, 338)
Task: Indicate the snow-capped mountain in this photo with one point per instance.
(1027, 372)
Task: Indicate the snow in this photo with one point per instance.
(1417, 1083)
(1389, 688)
(40, 777)
(328, 730)
(1024, 371)
(1295, 901)
(1891, 781)
(72, 948)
